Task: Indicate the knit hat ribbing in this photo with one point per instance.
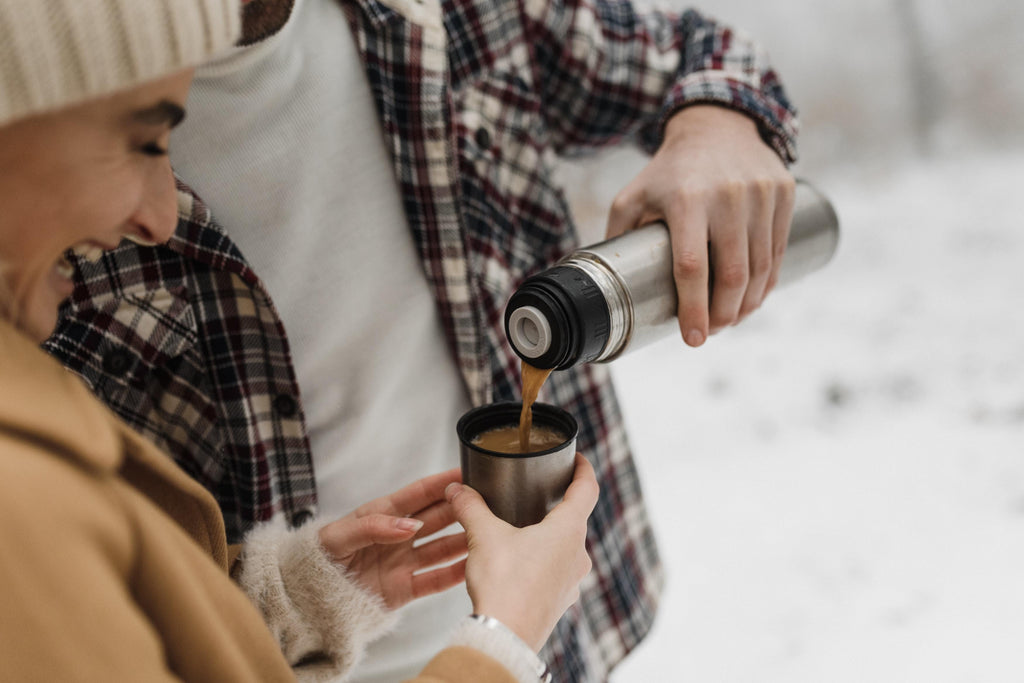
(56, 53)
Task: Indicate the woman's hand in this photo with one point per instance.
(724, 192)
(527, 578)
(375, 542)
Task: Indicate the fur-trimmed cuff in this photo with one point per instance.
(321, 618)
(502, 645)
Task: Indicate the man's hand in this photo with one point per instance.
(724, 193)
(375, 542)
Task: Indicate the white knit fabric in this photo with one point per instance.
(327, 233)
(502, 645)
(321, 618)
(56, 53)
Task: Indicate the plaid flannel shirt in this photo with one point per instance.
(477, 99)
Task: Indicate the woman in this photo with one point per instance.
(114, 563)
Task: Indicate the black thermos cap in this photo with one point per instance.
(576, 311)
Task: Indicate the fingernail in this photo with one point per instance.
(408, 524)
(694, 337)
(452, 490)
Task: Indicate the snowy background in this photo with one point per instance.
(838, 484)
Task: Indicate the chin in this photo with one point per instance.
(40, 330)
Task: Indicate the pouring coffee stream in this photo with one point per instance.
(533, 380)
(524, 438)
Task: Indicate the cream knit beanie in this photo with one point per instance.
(56, 53)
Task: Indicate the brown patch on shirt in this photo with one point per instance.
(263, 18)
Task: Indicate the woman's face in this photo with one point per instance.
(83, 178)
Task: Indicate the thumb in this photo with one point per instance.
(625, 214)
(471, 510)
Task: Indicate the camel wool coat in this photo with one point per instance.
(113, 562)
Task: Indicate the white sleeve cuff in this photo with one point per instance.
(322, 619)
(501, 644)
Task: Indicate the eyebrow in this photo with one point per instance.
(160, 113)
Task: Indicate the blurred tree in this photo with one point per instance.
(925, 84)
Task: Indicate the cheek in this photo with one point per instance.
(106, 203)
(41, 224)
(88, 194)
(82, 201)
(32, 295)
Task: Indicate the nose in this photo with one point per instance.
(156, 217)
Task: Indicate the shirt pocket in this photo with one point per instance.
(515, 216)
(150, 369)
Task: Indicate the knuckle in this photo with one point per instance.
(732, 190)
(461, 504)
(628, 197)
(764, 188)
(732, 275)
(760, 266)
(688, 265)
(686, 194)
(369, 524)
(328, 536)
(720, 319)
(786, 186)
(761, 193)
(619, 204)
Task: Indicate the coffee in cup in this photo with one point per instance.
(520, 488)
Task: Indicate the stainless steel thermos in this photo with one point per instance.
(520, 488)
(620, 294)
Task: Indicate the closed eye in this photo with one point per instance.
(153, 149)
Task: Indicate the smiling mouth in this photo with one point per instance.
(65, 268)
(88, 252)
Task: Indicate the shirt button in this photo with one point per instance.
(483, 138)
(285, 405)
(116, 362)
(300, 518)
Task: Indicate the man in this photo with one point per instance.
(334, 134)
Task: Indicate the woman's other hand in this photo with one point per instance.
(526, 578)
(375, 543)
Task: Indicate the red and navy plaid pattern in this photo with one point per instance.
(185, 345)
(477, 98)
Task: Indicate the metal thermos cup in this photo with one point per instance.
(519, 488)
(620, 294)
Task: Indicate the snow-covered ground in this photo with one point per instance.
(838, 483)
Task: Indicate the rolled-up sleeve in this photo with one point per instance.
(608, 70)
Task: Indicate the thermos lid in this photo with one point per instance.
(558, 318)
(529, 332)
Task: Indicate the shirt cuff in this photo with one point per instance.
(775, 120)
